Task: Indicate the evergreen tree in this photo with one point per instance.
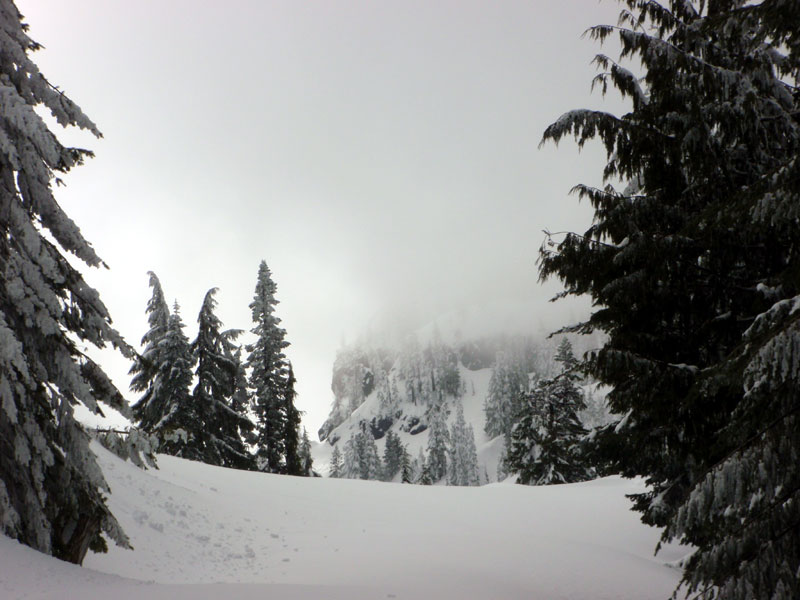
(335, 469)
(463, 465)
(351, 463)
(151, 407)
(370, 462)
(306, 460)
(438, 442)
(695, 265)
(291, 439)
(51, 489)
(421, 471)
(545, 444)
(393, 453)
(267, 365)
(406, 468)
(502, 404)
(145, 366)
(361, 460)
(219, 425)
(176, 425)
(425, 477)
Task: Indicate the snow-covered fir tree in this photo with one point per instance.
(463, 455)
(695, 267)
(152, 405)
(422, 470)
(545, 443)
(361, 460)
(221, 424)
(306, 459)
(393, 452)
(267, 364)
(176, 424)
(51, 489)
(508, 383)
(406, 468)
(438, 443)
(335, 468)
(291, 433)
(145, 366)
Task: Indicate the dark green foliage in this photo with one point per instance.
(393, 453)
(291, 434)
(221, 422)
(268, 375)
(545, 445)
(176, 423)
(406, 470)
(695, 274)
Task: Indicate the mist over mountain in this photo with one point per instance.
(406, 389)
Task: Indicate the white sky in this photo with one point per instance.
(380, 156)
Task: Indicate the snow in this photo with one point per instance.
(206, 532)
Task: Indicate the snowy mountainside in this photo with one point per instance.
(205, 532)
(400, 387)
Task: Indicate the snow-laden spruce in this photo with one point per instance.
(271, 384)
(51, 490)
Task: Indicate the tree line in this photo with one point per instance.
(241, 412)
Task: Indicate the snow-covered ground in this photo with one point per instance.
(205, 532)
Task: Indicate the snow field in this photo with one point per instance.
(208, 532)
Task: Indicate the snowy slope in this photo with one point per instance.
(207, 532)
(476, 385)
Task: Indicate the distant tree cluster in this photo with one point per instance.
(694, 270)
(545, 445)
(451, 455)
(226, 413)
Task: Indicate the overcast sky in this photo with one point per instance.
(380, 156)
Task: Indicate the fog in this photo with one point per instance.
(382, 157)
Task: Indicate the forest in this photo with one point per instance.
(690, 264)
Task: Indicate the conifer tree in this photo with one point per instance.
(502, 404)
(306, 460)
(152, 405)
(419, 467)
(695, 267)
(545, 444)
(393, 453)
(351, 464)
(51, 489)
(267, 364)
(219, 424)
(361, 459)
(463, 463)
(438, 442)
(335, 469)
(175, 424)
(406, 468)
(291, 439)
(370, 461)
(145, 366)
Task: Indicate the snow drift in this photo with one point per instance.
(208, 532)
